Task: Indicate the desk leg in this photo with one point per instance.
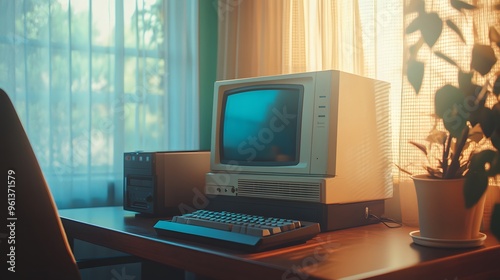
(155, 271)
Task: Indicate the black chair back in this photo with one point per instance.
(35, 241)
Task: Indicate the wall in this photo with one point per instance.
(208, 21)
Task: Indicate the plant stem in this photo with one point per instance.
(455, 161)
(446, 152)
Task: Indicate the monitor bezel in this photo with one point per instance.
(315, 158)
(263, 86)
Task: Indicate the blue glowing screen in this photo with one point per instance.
(260, 125)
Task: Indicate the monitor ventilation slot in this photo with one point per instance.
(301, 191)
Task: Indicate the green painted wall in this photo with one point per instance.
(208, 22)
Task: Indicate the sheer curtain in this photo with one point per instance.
(417, 121)
(277, 37)
(94, 79)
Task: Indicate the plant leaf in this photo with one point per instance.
(495, 166)
(465, 82)
(455, 28)
(404, 170)
(448, 103)
(495, 139)
(495, 136)
(479, 95)
(445, 57)
(476, 133)
(415, 6)
(431, 27)
(474, 187)
(495, 221)
(484, 116)
(415, 74)
(483, 58)
(437, 137)
(434, 173)
(414, 26)
(461, 5)
(445, 98)
(421, 147)
(496, 86)
(476, 180)
(494, 35)
(413, 49)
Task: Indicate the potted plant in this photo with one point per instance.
(467, 117)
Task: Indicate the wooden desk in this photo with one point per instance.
(373, 251)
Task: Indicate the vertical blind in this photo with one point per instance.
(92, 79)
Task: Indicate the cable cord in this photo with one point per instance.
(390, 223)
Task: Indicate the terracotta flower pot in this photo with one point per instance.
(442, 212)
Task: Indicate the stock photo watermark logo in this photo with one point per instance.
(320, 254)
(224, 7)
(200, 201)
(254, 143)
(121, 275)
(462, 108)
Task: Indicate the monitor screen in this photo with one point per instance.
(260, 125)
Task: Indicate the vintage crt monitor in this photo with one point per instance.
(163, 183)
(313, 146)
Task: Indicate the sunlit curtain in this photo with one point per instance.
(94, 79)
(416, 119)
(364, 37)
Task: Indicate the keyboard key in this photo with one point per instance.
(209, 224)
(255, 231)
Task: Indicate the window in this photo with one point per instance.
(92, 79)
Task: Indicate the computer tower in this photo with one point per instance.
(161, 183)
